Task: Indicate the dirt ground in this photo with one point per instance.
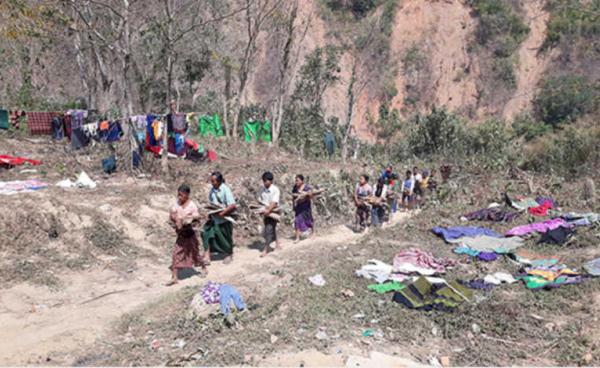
(83, 273)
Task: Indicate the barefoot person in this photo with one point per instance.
(186, 253)
(362, 191)
(269, 196)
(408, 186)
(303, 220)
(378, 209)
(217, 235)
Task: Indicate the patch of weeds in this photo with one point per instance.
(109, 239)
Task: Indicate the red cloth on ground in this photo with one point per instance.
(192, 143)
(541, 210)
(212, 155)
(16, 161)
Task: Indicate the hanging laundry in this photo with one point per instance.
(115, 131)
(40, 123)
(57, 128)
(540, 227)
(456, 232)
(492, 214)
(3, 119)
(560, 235)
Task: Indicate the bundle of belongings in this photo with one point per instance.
(546, 277)
(8, 161)
(258, 208)
(428, 293)
(224, 294)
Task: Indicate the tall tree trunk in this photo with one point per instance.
(227, 99)
(349, 112)
(168, 13)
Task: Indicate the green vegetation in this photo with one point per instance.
(500, 31)
(359, 8)
(573, 19)
(524, 125)
(564, 99)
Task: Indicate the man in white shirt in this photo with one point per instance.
(269, 197)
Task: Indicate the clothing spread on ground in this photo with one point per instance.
(525, 257)
(456, 232)
(224, 294)
(486, 243)
(492, 214)
(592, 267)
(386, 287)
(542, 209)
(423, 294)
(9, 161)
(549, 277)
(21, 186)
(415, 261)
(560, 235)
(540, 227)
(3, 119)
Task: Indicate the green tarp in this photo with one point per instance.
(3, 119)
(210, 126)
(255, 131)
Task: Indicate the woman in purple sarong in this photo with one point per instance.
(302, 208)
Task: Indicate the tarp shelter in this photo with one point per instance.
(210, 126)
(3, 119)
(257, 131)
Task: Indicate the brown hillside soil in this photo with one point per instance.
(532, 64)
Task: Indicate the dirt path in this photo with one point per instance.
(531, 64)
(38, 323)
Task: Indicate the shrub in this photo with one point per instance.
(489, 143)
(440, 132)
(564, 99)
(572, 18)
(524, 125)
(573, 151)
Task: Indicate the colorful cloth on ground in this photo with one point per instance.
(386, 287)
(456, 232)
(592, 267)
(415, 261)
(534, 260)
(227, 295)
(21, 186)
(7, 160)
(557, 236)
(375, 270)
(581, 219)
(492, 214)
(218, 237)
(210, 292)
(487, 256)
(541, 210)
(485, 243)
(3, 119)
(210, 126)
(523, 204)
(424, 295)
(303, 219)
(542, 200)
(540, 227)
(550, 277)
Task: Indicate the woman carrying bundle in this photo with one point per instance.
(303, 220)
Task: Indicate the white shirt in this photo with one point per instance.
(418, 177)
(270, 195)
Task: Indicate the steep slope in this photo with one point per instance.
(532, 64)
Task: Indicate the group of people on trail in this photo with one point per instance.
(374, 206)
(217, 232)
(383, 201)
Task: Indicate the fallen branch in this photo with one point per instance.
(103, 295)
